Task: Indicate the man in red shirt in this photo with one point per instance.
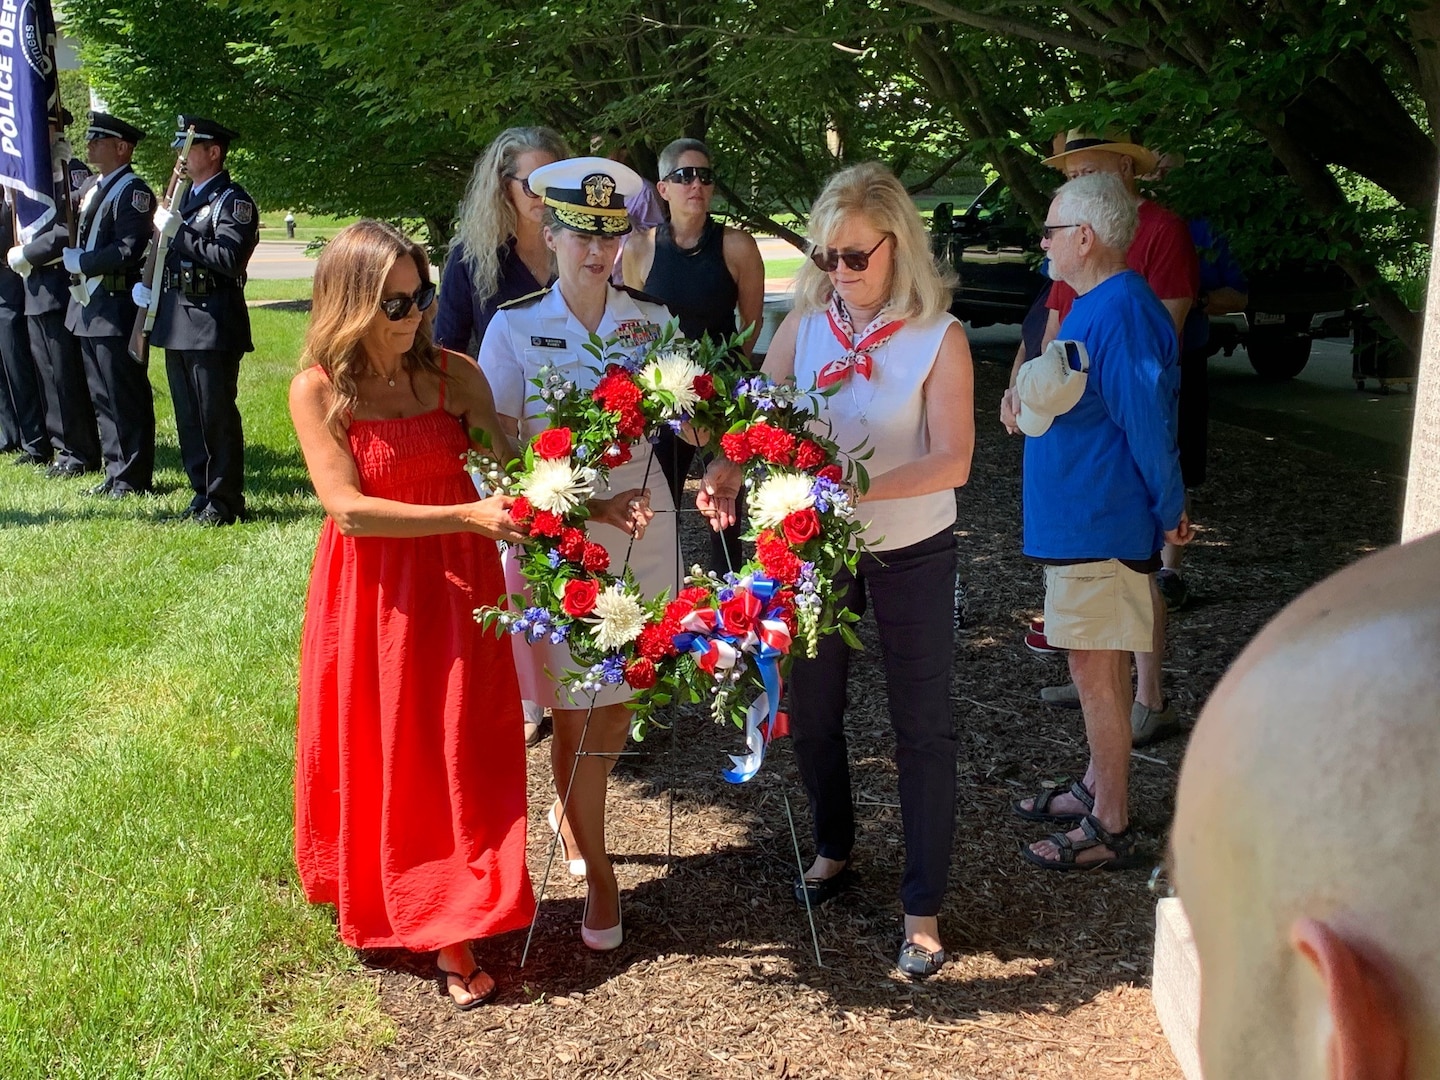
(1162, 253)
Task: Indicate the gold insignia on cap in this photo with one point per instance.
(598, 188)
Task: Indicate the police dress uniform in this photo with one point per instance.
(115, 212)
(540, 330)
(22, 402)
(204, 328)
(69, 412)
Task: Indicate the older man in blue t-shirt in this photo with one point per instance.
(1102, 496)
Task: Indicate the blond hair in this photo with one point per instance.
(487, 216)
(349, 281)
(919, 288)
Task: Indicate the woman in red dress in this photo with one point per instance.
(410, 767)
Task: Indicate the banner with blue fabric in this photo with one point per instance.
(29, 90)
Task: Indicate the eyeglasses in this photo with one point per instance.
(1047, 232)
(690, 173)
(829, 260)
(397, 307)
(524, 185)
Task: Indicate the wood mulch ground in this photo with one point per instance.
(1049, 973)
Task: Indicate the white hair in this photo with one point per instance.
(1101, 201)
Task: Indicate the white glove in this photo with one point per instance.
(166, 222)
(71, 256)
(140, 293)
(16, 258)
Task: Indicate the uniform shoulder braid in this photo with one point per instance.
(528, 300)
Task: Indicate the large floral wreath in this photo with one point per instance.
(726, 637)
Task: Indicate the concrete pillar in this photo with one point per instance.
(1422, 491)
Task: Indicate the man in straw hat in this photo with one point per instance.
(1102, 493)
(1164, 255)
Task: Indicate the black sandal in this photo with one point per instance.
(442, 981)
(1121, 843)
(1040, 805)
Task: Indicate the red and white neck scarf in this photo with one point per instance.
(857, 357)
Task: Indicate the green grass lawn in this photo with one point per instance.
(307, 226)
(153, 924)
(278, 289)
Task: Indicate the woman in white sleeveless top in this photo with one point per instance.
(871, 315)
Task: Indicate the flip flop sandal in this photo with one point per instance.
(1121, 843)
(442, 980)
(1040, 805)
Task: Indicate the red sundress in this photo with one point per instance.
(410, 760)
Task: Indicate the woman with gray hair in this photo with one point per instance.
(871, 325)
(498, 253)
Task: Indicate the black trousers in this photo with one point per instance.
(912, 591)
(676, 456)
(69, 412)
(22, 400)
(204, 387)
(125, 411)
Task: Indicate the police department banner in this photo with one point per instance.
(28, 85)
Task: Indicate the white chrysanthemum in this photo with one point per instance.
(556, 486)
(618, 618)
(778, 497)
(675, 372)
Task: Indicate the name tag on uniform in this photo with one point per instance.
(548, 342)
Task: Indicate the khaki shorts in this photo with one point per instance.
(1099, 605)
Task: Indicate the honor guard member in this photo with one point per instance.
(69, 412)
(22, 408)
(115, 210)
(203, 324)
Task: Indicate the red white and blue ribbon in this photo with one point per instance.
(857, 359)
(718, 647)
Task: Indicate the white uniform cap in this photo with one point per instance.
(588, 194)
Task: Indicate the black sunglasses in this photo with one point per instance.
(690, 173)
(828, 259)
(397, 307)
(524, 185)
(1048, 231)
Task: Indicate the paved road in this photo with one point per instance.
(280, 259)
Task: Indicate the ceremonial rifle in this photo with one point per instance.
(175, 192)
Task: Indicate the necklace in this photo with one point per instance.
(389, 379)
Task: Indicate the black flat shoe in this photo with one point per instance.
(819, 890)
(918, 962)
(442, 982)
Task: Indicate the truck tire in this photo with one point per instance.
(1279, 352)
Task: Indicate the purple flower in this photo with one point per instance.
(553, 558)
(612, 669)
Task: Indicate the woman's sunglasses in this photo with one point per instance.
(829, 260)
(690, 173)
(397, 307)
(524, 185)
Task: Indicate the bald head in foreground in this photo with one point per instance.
(1307, 835)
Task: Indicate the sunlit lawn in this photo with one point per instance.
(152, 923)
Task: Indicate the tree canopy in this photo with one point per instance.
(1309, 126)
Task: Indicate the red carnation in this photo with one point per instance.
(553, 443)
(776, 558)
(801, 526)
(520, 510)
(580, 596)
(773, 444)
(656, 641)
(833, 473)
(640, 673)
(736, 445)
(572, 545)
(546, 523)
(808, 455)
(704, 386)
(782, 605)
(631, 424)
(596, 558)
(616, 454)
(693, 593)
(617, 391)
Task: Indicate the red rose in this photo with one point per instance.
(572, 545)
(546, 523)
(617, 454)
(580, 596)
(809, 454)
(741, 611)
(704, 386)
(552, 443)
(801, 526)
(596, 558)
(656, 641)
(520, 510)
(736, 446)
(640, 674)
(833, 473)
